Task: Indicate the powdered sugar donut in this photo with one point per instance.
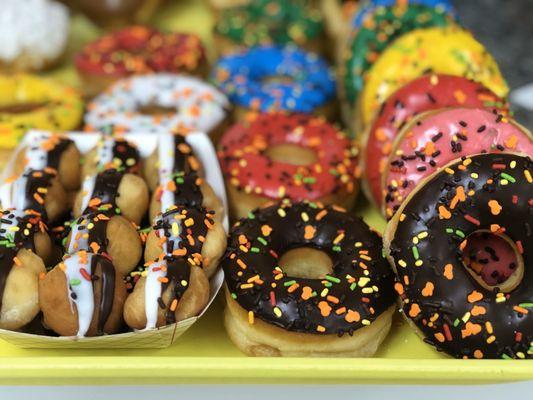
(436, 138)
(33, 34)
(158, 103)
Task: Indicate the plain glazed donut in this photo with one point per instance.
(453, 310)
(429, 92)
(435, 138)
(344, 311)
(159, 103)
(427, 50)
(275, 78)
(138, 50)
(293, 156)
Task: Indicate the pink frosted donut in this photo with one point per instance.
(435, 138)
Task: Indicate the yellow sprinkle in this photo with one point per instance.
(528, 176)
(449, 170)
(277, 311)
(250, 317)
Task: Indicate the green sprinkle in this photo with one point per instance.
(336, 249)
(460, 233)
(254, 250)
(334, 172)
(289, 283)
(508, 177)
(233, 296)
(353, 286)
(251, 215)
(415, 252)
(262, 241)
(456, 322)
(117, 211)
(309, 179)
(526, 305)
(333, 279)
(75, 282)
(328, 284)
(506, 357)
(180, 180)
(449, 230)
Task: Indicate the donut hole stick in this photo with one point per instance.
(493, 260)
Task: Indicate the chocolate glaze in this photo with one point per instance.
(333, 305)
(128, 154)
(453, 311)
(107, 273)
(106, 188)
(35, 182)
(53, 155)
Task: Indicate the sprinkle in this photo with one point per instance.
(508, 177)
(309, 232)
(75, 282)
(278, 312)
(250, 317)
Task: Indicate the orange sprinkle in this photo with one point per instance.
(325, 308)
(428, 289)
(448, 271)
(174, 305)
(470, 330)
(266, 230)
(495, 207)
(352, 316)
(444, 213)
(309, 232)
(474, 296)
(307, 292)
(414, 310)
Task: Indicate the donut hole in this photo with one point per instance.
(155, 109)
(293, 154)
(493, 260)
(21, 108)
(306, 262)
(278, 79)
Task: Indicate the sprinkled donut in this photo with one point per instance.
(447, 50)
(282, 155)
(370, 6)
(296, 81)
(432, 140)
(138, 50)
(452, 309)
(264, 22)
(271, 312)
(429, 92)
(158, 103)
(30, 102)
(379, 29)
(33, 34)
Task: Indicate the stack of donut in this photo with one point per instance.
(81, 278)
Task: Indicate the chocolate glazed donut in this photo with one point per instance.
(453, 309)
(358, 291)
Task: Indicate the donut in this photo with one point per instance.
(117, 12)
(30, 102)
(267, 22)
(33, 34)
(23, 245)
(379, 29)
(219, 5)
(435, 138)
(369, 6)
(280, 155)
(446, 303)
(427, 50)
(54, 151)
(274, 78)
(428, 92)
(182, 183)
(158, 103)
(138, 50)
(334, 297)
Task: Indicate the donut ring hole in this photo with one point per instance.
(155, 109)
(291, 154)
(493, 260)
(21, 108)
(306, 262)
(278, 80)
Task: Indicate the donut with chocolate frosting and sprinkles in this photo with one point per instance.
(359, 289)
(454, 311)
(429, 92)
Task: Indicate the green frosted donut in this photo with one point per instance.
(379, 29)
(268, 21)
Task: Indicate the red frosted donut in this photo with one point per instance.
(435, 138)
(428, 92)
(294, 156)
(139, 49)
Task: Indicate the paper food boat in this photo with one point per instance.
(154, 338)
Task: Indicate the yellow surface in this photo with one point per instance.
(204, 354)
(446, 50)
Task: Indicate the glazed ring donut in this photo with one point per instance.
(453, 310)
(343, 310)
(265, 22)
(427, 50)
(379, 29)
(273, 78)
(174, 286)
(429, 92)
(33, 34)
(158, 103)
(30, 102)
(370, 6)
(138, 50)
(287, 155)
(435, 138)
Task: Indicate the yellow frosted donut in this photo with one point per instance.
(32, 102)
(446, 50)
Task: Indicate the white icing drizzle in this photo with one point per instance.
(152, 291)
(104, 154)
(82, 288)
(36, 156)
(198, 105)
(87, 190)
(34, 29)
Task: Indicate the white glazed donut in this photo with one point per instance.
(33, 33)
(189, 105)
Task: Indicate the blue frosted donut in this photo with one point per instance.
(272, 78)
(370, 5)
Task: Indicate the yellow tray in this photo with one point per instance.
(204, 354)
